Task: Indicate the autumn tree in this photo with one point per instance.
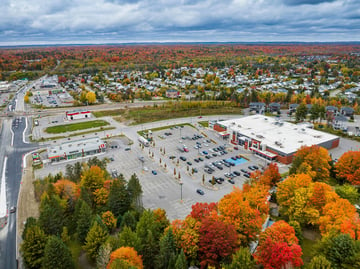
(127, 255)
(237, 211)
(91, 97)
(109, 220)
(217, 241)
(66, 189)
(57, 255)
(348, 167)
(278, 247)
(348, 192)
(202, 210)
(271, 175)
(314, 161)
(93, 178)
(94, 239)
(257, 195)
(33, 247)
(319, 262)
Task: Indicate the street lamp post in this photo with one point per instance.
(181, 184)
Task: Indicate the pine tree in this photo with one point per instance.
(167, 250)
(319, 262)
(242, 259)
(135, 191)
(94, 239)
(181, 261)
(83, 221)
(30, 222)
(51, 215)
(129, 220)
(119, 198)
(57, 255)
(128, 238)
(33, 246)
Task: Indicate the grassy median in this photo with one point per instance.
(76, 126)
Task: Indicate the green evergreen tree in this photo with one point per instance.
(129, 220)
(83, 221)
(77, 172)
(167, 250)
(119, 198)
(128, 238)
(30, 222)
(57, 255)
(51, 215)
(298, 231)
(33, 246)
(149, 249)
(94, 239)
(301, 112)
(319, 262)
(181, 261)
(135, 191)
(242, 259)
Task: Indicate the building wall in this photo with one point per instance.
(78, 116)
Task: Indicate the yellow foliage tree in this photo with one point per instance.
(91, 97)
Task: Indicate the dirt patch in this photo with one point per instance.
(27, 205)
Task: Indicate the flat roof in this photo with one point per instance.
(76, 146)
(282, 136)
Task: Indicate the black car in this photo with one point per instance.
(256, 167)
(183, 158)
(215, 149)
(236, 173)
(208, 157)
(196, 160)
(207, 170)
(247, 175)
(218, 181)
(251, 168)
(244, 171)
(232, 164)
(200, 159)
(231, 181)
(201, 192)
(227, 164)
(189, 163)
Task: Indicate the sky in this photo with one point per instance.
(25, 22)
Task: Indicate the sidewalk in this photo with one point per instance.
(3, 202)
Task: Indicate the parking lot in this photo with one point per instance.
(53, 100)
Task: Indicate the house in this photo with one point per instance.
(332, 109)
(347, 111)
(172, 93)
(258, 107)
(340, 123)
(274, 107)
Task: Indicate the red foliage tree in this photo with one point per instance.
(202, 210)
(218, 241)
(348, 167)
(271, 175)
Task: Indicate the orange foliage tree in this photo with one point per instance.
(278, 247)
(93, 178)
(348, 167)
(109, 220)
(271, 175)
(202, 210)
(314, 161)
(236, 210)
(257, 195)
(128, 255)
(66, 189)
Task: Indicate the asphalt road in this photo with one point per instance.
(13, 178)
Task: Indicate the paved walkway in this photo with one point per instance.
(3, 202)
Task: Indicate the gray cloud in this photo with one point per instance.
(96, 21)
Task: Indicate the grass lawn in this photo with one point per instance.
(75, 126)
(204, 123)
(105, 113)
(307, 249)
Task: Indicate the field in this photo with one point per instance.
(75, 126)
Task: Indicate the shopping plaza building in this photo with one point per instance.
(272, 138)
(76, 149)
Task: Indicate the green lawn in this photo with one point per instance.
(204, 123)
(75, 126)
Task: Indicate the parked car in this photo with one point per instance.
(199, 191)
(231, 181)
(154, 172)
(189, 163)
(243, 170)
(236, 173)
(196, 160)
(183, 158)
(200, 159)
(228, 175)
(205, 152)
(251, 168)
(247, 175)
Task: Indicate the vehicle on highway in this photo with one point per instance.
(154, 172)
(199, 191)
(13, 209)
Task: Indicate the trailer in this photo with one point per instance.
(144, 141)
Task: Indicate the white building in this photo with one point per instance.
(78, 114)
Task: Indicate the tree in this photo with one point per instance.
(103, 258)
(348, 192)
(271, 175)
(129, 220)
(202, 210)
(217, 242)
(316, 158)
(94, 239)
(301, 112)
(339, 250)
(93, 178)
(66, 189)
(167, 250)
(237, 211)
(257, 196)
(242, 259)
(181, 261)
(319, 262)
(128, 255)
(348, 167)
(57, 255)
(30, 222)
(128, 238)
(119, 198)
(278, 247)
(109, 220)
(135, 191)
(33, 246)
(83, 220)
(51, 217)
(91, 97)
(26, 99)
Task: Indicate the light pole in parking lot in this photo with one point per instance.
(181, 184)
(180, 131)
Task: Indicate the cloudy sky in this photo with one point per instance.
(121, 21)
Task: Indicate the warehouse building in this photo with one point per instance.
(76, 149)
(273, 139)
(78, 114)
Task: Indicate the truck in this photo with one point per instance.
(144, 141)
